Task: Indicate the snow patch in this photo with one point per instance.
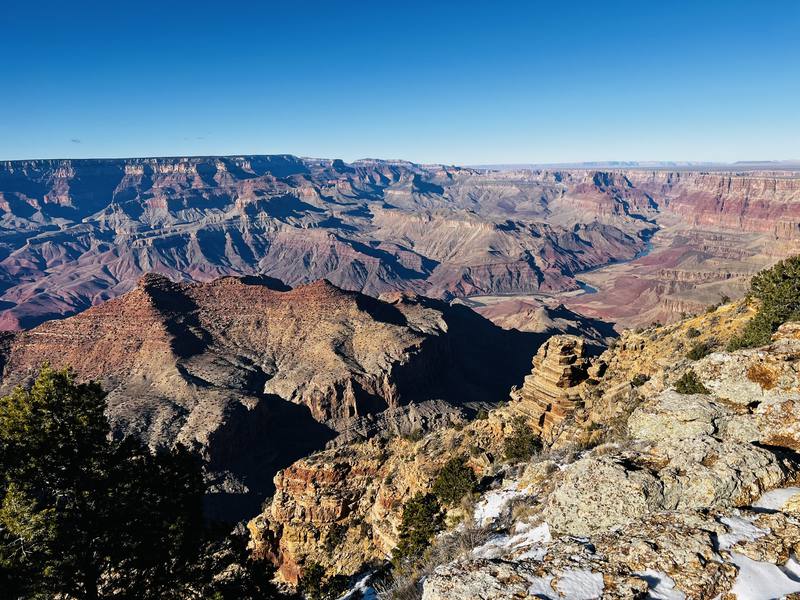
(764, 581)
(361, 590)
(662, 586)
(541, 588)
(739, 530)
(525, 536)
(580, 585)
(775, 499)
(493, 504)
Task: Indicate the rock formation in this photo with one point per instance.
(74, 233)
(552, 391)
(259, 374)
(77, 232)
(696, 499)
(643, 491)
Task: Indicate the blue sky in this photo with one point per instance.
(456, 82)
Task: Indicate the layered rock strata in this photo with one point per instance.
(642, 491)
(552, 391)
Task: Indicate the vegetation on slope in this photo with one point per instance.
(86, 517)
(423, 518)
(454, 481)
(523, 441)
(690, 383)
(778, 291)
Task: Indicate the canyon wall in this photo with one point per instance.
(75, 233)
(256, 374)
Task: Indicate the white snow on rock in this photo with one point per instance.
(532, 540)
(361, 590)
(775, 499)
(580, 585)
(493, 504)
(764, 581)
(739, 530)
(662, 586)
(541, 588)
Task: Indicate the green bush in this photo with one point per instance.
(778, 290)
(523, 441)
(314, 584)
(640, 379)
(700, 350)
(77, 508)
(423, 518)
(454, 481)
(692, 332)
(85, 516)
(689, 383)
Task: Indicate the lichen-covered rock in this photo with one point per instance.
(597, 494)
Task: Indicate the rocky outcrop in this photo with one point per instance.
(641, 491)
(694, 499)
(258, 374)
(552, 391)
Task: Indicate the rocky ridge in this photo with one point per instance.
(258, 374)
(74, 233)
(641, 491)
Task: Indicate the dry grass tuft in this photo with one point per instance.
(762, 375)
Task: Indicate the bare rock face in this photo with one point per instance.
(259, 374)
(341, 508)
(691, 501)
(725, 200)
(694, 453)
(551, 391)
(78, 232)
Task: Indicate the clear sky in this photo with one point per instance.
(455, 82)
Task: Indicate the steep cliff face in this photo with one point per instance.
(341, 508)
(756, 202)
(76, 233)
(259, 374)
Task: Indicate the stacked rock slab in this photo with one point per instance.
(552, 390)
